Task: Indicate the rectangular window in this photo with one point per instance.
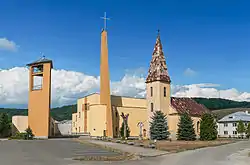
(151, 91)
(234, 124)
(79, 129)
(225, 132)
(79, 114)
(86, 106)
(164, 91)
(225, 125)
(152, 107)
(235, 132)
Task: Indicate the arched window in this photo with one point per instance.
(152, 107)
(198, 126)
(164, 91)
(151, 91)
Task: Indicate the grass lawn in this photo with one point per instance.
(177, 146)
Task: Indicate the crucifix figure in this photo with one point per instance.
(105, 20)
(125, 122)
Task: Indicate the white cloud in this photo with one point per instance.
(6, 44)
(189, 72)
(67, 86)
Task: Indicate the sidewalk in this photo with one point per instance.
(138, 151)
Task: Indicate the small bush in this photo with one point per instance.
(27, 135)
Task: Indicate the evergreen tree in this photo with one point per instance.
(208, 127)
(159, 126)
(122, 131)
(29, 134)
(186, 128)
(248, 130)
(241, 128)
(5, 125)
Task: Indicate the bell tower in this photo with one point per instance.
(157, 83)
(39, 97)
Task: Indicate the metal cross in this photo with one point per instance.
(43, 56)
(105, 20)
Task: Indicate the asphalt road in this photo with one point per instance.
(60, 152)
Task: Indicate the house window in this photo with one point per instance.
(164, 91)
(152, 107)
(225, 132)
(235, 132)
(151, 91)
(225, 125)
(86, 106)
(234, 124)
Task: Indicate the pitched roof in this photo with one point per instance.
(237, 116)
(188, 105)
(41, 61)
(158, 68)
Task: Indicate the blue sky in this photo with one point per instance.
(210, 37)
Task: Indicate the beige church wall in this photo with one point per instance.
(135, 116)
(119, 101)
(74, 123)
(19, 124)
(96, 120)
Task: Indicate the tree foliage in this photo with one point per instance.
(29, 134)
(241, 128)
(208, 127)
(5, 125)
(248, 130)
(122, 131)
(159, 126)
(186, 128)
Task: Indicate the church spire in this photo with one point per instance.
(158, 68)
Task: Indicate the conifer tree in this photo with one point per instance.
(159, 126)
(122, 131)
(241, 128)
(248, 130)
(5, 124)
(186, 128)
(208, 127)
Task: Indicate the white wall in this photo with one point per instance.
(230, 128)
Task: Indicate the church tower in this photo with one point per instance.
(158, 83)
(39, 97)
(105, 97)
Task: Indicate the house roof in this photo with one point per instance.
(158, 69)
(41, 61)
(237, 116)
(188, 105)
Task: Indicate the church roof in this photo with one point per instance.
(158, 68)
(41, 61)
(188, 105)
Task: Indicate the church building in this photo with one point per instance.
(99, 114)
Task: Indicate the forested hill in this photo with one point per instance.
(65, 112)
(217, 103)
(59, 113)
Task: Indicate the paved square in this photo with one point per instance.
(49, 152)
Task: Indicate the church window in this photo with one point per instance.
(79, 129)
(151, 91)
(152, 107)
(198, 126)
(79, 114)
(164, 91)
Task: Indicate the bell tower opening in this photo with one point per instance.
(37, 77)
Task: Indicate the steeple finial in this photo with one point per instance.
(158, 32)
(105, 20)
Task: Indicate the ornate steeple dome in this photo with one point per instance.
(158, 69)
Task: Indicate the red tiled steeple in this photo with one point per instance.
(158, 68)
